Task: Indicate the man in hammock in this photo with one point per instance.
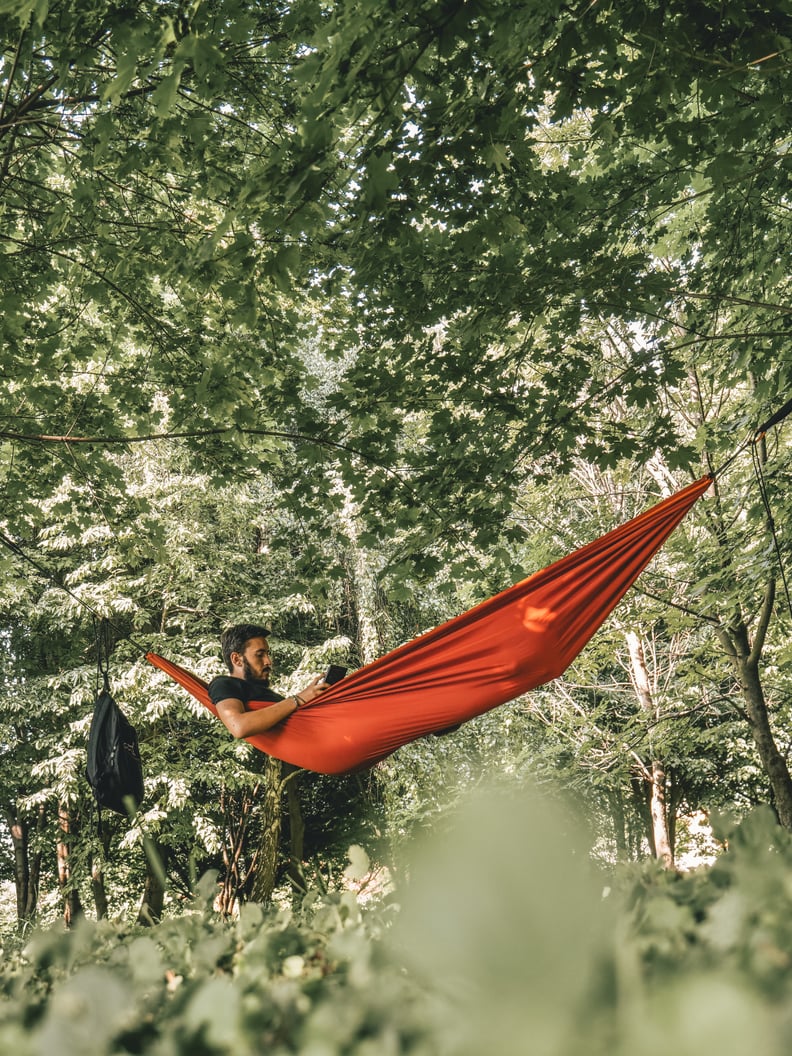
(517, 640)
(247, 655)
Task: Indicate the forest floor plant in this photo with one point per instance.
(549, 956)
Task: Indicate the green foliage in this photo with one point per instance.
(455, 200)
(555, 953)
(213, 557)
(273, 979)
(368, 273)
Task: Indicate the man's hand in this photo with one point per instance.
(312, 690)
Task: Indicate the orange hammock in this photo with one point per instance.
(519, 639)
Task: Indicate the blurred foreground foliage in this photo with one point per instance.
(508, 937)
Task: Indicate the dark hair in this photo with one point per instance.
(234, 639)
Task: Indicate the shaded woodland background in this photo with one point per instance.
(345, 316)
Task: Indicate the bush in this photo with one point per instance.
(506, 939)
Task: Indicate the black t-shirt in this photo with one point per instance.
(244, 689)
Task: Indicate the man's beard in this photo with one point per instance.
(250, 674)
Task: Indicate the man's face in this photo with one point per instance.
(256, 659)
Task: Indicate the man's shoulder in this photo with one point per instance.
(229, 686)
(225, 686)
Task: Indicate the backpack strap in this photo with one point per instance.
(103, 648)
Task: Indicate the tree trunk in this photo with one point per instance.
(363, 585)
(34, 864)
(745, 653)
(265, 863)
(655, 776)
(98, 888)
(72, 907)
(18, 828)
(744, 658)
(153, 900)
(618, 820)
(659, 812)
(673, 798)
(25, 883)
(296, 834)
(644, 830)
(365, 582)
(238, 809)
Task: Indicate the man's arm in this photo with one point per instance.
(243, 723)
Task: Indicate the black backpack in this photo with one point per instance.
(114, 770)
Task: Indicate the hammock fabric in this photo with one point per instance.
(518, 640)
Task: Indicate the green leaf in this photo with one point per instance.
(165, 95)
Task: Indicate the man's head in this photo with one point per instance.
(245, 650)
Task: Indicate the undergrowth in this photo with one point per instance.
(518, 946)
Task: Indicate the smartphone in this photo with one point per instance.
(334, 674)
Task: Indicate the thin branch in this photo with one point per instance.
(680, 608)
(726, 643)
(47, 438)
(11, 74)
(763, 623)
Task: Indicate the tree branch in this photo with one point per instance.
(680, 608)
(763, 623)
(726, 642)
(11, 74)
(47, 438)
